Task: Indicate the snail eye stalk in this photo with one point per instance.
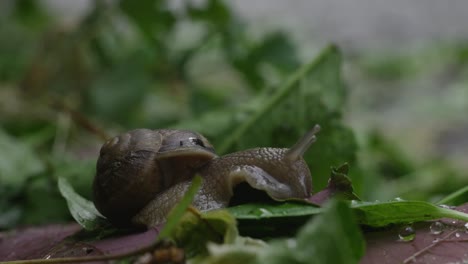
(301, 146)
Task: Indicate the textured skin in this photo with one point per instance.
(262, 168)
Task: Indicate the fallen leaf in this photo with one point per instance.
(447, 244)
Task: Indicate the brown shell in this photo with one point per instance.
(131, 170)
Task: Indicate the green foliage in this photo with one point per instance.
(332, 237)
(82, 210)
(196, 230)
(341, 240)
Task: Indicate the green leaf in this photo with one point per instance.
(152, 17)
(82, 210)
(17, 161)
(339, 183)
(274, 219)
(196, 229)
(176, 214)
(273, 210)
(117, 94)
(214, 12)
(244, 251)
(394, 212)
(332, 237)
(259, 219)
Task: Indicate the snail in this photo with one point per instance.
(142, 174)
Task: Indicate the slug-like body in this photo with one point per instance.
(164, 162)
(281, 173)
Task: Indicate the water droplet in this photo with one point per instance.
(437, 228)
(407, 234)
(291, 243)
(457, 234)
(446, 206)
(264, 212)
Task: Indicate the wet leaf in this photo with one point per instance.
(257, 211)
(33, 242)
(448, 245)
(400, 211)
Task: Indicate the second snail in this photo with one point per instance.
(142, 174)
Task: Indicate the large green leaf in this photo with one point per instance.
(332, 237)
(267, 216)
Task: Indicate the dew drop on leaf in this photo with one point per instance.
(446, 206)
(264, 212)
(291, 243)
(437, 228)
(407, 234)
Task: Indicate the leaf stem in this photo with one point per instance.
(450, 213)
(453, 196)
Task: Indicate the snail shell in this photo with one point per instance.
(133, 168)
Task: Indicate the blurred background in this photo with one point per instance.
(74, 72)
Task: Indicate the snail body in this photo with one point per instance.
(279, 172)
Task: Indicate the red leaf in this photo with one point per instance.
(33, 242)
(56, 241)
